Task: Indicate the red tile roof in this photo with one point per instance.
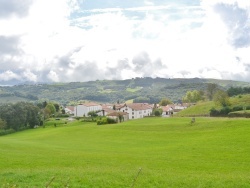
(139, 106)
(89, 104)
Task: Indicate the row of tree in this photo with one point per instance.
(213, 92)
(232, 91)
(19, 116)
(23, 115)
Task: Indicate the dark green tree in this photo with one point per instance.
(2, 124)
(165, 102)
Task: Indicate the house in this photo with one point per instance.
(105, 111)
(119, 116)
(69, 110)
(167, 111)
(177, 107)
(83, 109)
(136, 110)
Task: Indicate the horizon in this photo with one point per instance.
(51, 83)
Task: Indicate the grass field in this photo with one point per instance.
(150, 152)
(203, 108)
(200, 109)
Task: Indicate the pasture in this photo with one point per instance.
(150, 152)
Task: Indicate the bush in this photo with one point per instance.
(111, 121)
(225, 111)
(5, 132)
(220, 113)
(104, 121)
(237, 108)
(89, 119)
(62, 115)
(245, 114)
(214, 112)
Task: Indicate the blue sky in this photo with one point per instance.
(82, 40)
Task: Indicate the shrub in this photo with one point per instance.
(237, 108)
(220, 113)
(111, 121)
(102, 121)
(245, 114)
(225, 111)
(4, 132)
(62, 115)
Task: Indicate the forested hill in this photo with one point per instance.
(138, 89)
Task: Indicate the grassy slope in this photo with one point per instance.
(171, 152)
(240, 100)
(203, 108)
(200, 109)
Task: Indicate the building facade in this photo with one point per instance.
(83, 109)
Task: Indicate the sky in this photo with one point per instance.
(84, 40)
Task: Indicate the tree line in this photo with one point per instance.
(25, 115)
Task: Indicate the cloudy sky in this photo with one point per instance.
(82, 40)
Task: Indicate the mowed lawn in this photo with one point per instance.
(150, 152)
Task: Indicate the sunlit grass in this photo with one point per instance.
(132, 90)
(172, 152)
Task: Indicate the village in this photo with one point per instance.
(127, 111)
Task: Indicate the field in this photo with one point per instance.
(150, 152)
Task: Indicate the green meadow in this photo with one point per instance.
(149, 152)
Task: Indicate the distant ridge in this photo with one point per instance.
(105, 91)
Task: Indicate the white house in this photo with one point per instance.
(167, 111)
(83, 109)
(137, 110)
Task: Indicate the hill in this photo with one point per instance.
(150, 152)
(147, 89)
(203, 108)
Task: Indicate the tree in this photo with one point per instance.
(57, 107)
(20, 115)
(157, 112)
(221, 98)
(193, 96)
(211, 89)
(92, 114)
(2, 124)
(49, 109)
(165, 102)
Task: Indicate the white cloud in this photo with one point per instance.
(188, 41)
(53, 76)
(28, 75)
(8, 75)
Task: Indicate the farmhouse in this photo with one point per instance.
(69, 110)
(85, 108)
(105, 111)
(167, 111)
(136, 110)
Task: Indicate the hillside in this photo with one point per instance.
(147, 89)
(203, 108)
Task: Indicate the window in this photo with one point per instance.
(132, 113)
(132, 117)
